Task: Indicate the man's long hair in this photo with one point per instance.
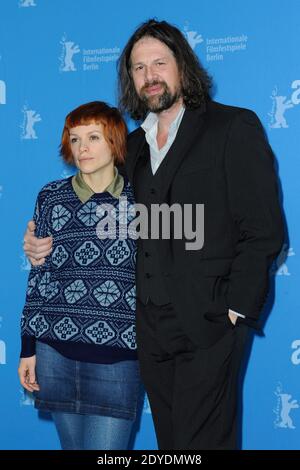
(195, 82)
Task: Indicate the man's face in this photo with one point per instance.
(155, 74)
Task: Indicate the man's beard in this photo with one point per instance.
(160, 102)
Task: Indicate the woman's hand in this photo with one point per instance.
(26, 373)
(36, 249)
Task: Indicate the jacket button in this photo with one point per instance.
(147, 254)
(148, 275)
(152, 191)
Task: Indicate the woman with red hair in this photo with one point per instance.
(78, 352)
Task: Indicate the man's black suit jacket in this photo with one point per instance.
(220, 158)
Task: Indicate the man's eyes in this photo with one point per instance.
(141, 67)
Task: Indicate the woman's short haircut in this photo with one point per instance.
(98, 112)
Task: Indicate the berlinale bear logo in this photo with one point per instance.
(281, 104)
(2, 92)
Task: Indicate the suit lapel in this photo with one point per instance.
(189, 130)
(135, 149)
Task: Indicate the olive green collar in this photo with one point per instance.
(84, 192)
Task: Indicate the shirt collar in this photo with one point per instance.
(152, 119)
(84, 192)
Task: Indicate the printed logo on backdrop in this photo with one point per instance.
(2, 348)
(66, 58)
(1, 191)
(30, 118)
(284, 407)
(26, 398)
(216, 48)
(25, 265)
(280, 267)
(2, 92)
(89, 59)
(281, 103)
(27, 3)
(193, 38)
(146, 407)
(66, 174)
(295, 357)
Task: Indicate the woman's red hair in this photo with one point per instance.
(98, 112)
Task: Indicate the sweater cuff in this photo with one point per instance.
(28, 346)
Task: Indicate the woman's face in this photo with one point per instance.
(90, 150)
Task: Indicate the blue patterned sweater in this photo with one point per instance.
(82, 300)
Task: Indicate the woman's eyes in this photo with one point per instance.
(92, 138)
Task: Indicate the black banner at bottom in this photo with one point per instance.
(131, 459)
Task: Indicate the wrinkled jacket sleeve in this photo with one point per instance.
(255, 208)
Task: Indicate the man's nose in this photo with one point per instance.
(150, 74)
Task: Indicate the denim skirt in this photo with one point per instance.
(73, 386)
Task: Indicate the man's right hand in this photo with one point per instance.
(36, 249)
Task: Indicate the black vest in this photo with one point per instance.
(150, 277)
